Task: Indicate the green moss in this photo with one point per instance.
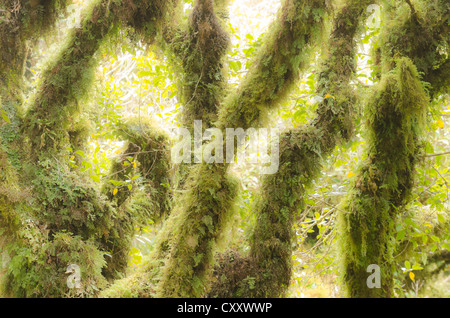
(147, 18)
(139, 283)
(38, 266)
(201, 53)
(204, 212)
(149, 148)
(302, 151)
(191, 250)
(396, 118)
(68, 212)
(20, 21)
(149, 201)
(286, 52)
(422, 35)
(65, 82)
(67, 201)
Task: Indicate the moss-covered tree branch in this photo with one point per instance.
(396, 112)
(395, 119)
(267, 269)
(299, 23)
(66, 219)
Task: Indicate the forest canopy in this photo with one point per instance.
(224, 148)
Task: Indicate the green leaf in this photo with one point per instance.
(95, 177)
(80, 153)
(86, 164)
(407, 265)
(144, 73)
(401, 235)
(5, 117)
(234, 66)
(435, 238)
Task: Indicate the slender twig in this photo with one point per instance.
(436, 154)
(443, 179)
(413, 10)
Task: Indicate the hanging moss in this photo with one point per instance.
(200, 50)
(201, 219)
(179, 262)
(139, 284)
(67, 201)
(201, 53)
(147, 18)
(148, 147)
(68, 77)
(149, 200)
(395, 119)
(20, 21)
(420, 32)
(284, 56)
(190, 253)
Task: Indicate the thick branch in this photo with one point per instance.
(302, 152)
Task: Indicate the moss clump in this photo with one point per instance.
(201, 51)
(38, 265)
(66, 201)
(20, 21)
(203, 212)
(147, 18)
(234, 276)
(396, 118)
(420, 32)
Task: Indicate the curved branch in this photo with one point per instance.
(302, 151)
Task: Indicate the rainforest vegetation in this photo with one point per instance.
(93, 205)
